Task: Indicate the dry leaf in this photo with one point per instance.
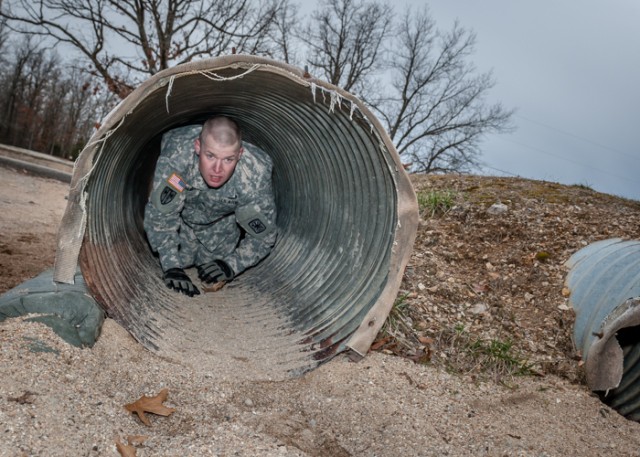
(379, 343)
(150, 405)
(421, 356)
(480, 288)
(216, 286)
(136, 440)
(128, 450)
(124, 449)
(26, 398)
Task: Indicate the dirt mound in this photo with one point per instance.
(483, 291)
(481, 302)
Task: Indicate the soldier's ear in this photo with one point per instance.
(196, 145)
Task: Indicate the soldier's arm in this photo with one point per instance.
(258, 219)
(162, 212)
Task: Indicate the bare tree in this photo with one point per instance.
(3, 35)
(284, 31)
(345, 39)
(424, 87)
(45, 106)
(17, 82)
(127, 40)
(419, 80)
(67, 115)
(436, 110)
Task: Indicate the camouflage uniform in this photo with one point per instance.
(188, 223)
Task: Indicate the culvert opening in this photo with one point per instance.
(604, 290)
(626, 397)
(346, 220)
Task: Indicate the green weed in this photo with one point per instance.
(397, 334)
(495, 358)
(583, 186)
(397, 316)
(435, 202)
(498, 356)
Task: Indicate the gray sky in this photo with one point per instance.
(572, 70)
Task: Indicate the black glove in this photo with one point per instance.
(215, 271)
(177, 279)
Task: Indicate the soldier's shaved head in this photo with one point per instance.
(223, 130)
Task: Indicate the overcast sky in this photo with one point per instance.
(572, 70)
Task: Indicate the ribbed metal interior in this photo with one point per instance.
(336, 192)
(626, 397)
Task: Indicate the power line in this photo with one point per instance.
(502, 171)
(567, 160)
(578, 137)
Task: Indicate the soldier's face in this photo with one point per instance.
(216, 161)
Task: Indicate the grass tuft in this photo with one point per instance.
(435, 202)
(398, 316)
(583, 186)
(495, 358)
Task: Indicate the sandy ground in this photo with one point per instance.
(57, 400)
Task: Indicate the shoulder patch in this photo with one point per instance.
(168, 197)
(176, 182)
(254, 222)
(257, 225)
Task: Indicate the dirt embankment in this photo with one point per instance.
(476, 280)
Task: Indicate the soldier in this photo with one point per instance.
(204, 192)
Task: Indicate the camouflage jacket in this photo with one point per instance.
(187, 222)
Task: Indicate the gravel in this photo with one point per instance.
(58, 400)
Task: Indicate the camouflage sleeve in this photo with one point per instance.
(258, 219)
(162, 211)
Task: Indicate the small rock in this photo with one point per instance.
(479, 308)
(498, 208)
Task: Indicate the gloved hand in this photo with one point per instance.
(215, 271)
(177, 279)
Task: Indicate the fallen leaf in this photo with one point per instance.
(125, 450)
(379, 343)
(128, 450)
(150, 405)
(216, 286)
(136, 440)
(421, 356)
(480, 288)
(26, 398)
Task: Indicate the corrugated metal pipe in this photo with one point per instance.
(347, 217)
(604, 286)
